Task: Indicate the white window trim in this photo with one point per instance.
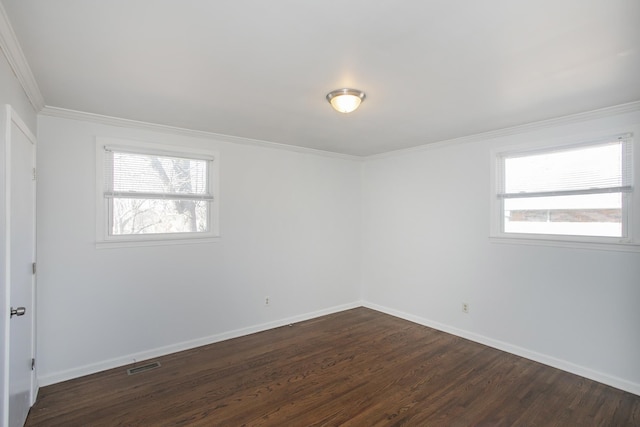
(631, 201)
(104, 240)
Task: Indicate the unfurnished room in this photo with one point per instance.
(320, 213)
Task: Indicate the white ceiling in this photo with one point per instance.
(432, 70)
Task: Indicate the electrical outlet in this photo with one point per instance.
(267, 300)
(465, 307)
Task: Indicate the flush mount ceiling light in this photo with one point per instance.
(345, 100)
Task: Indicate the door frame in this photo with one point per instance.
(12, 118)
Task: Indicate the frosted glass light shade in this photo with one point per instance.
(345, 100)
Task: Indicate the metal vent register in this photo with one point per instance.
(143, 368)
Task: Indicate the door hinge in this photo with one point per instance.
(33, 268)
(34, 174)
(33, 364)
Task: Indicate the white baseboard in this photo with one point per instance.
(92, 368)
(616, 382)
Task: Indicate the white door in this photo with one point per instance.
(20, 269)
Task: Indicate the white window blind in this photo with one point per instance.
(604, 167)
(154, 176)
(162, 192)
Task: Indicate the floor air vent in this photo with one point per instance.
(143, 368)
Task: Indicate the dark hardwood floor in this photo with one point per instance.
(354, 368)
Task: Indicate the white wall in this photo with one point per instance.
(427, 249)
(290, 231)
(10, 93)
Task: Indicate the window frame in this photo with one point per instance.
(630, 242)
(104, 218)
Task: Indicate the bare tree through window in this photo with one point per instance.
(157, 194)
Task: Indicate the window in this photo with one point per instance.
(151, 192)
(579, 192)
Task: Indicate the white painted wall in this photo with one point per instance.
(290, 231)
(11, 93)
(426, 229)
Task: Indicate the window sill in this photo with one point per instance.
(558, 242)
(130, 243)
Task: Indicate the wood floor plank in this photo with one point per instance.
(354, 368)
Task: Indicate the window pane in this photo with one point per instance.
(580, 215)
(144, 173)
(589, 167)
(154, 216)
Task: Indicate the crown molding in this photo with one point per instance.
(17, 61)
(64, 113)
(514, 130)
(529, 127)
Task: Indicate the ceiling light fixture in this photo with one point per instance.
(345, 100)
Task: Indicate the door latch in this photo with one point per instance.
(20, 311)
